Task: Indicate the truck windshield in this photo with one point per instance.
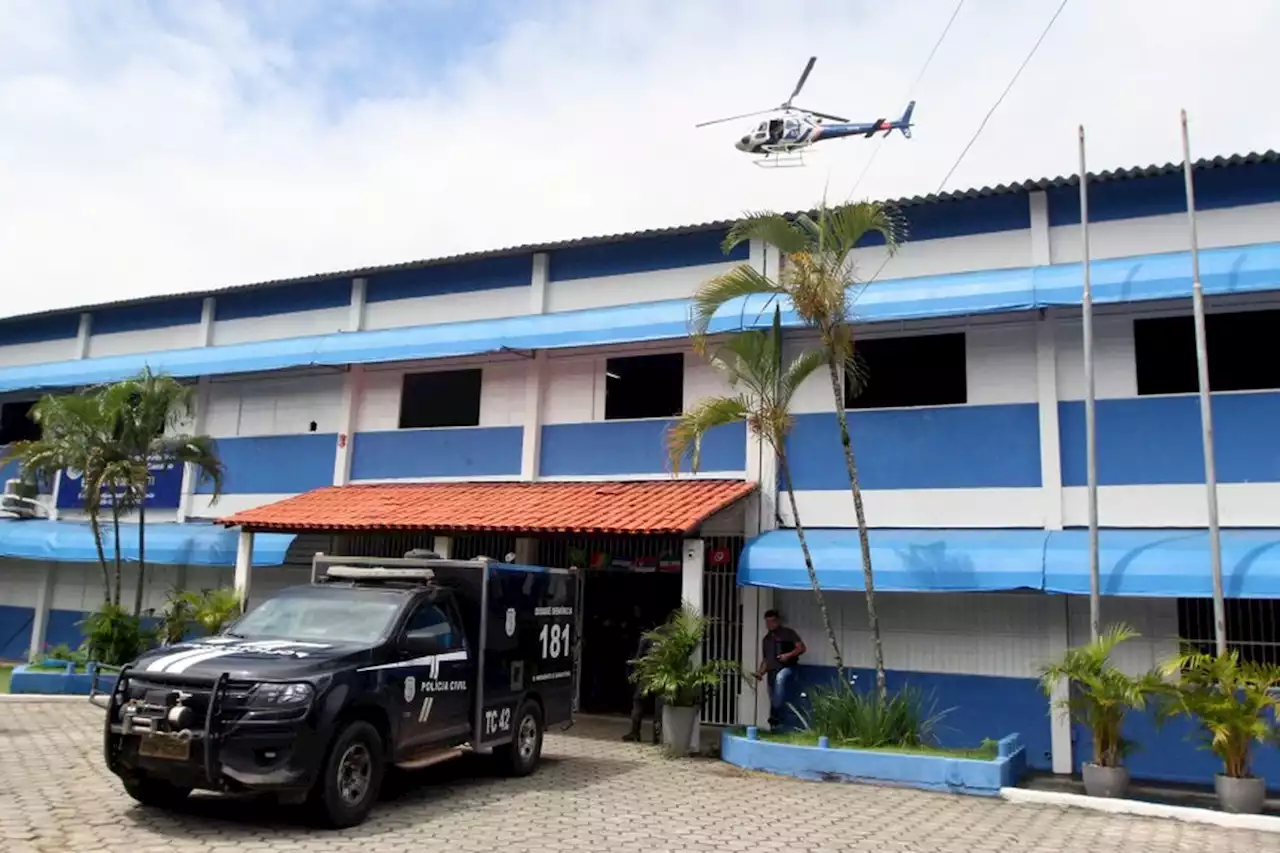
(349, 619)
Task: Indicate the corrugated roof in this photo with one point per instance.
(1131, 173)
(647, 507)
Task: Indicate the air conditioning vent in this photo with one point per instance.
(18, 489)
(20, 507)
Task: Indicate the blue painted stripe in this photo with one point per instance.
(272, 301)
(1233, 270)
(646, 255)
(1156, 440)
(148, 315)
(632, 447)
(34, 330)
(1257, 183)
(445, 452)
(276, 464)
(437, 279)
(949, 447)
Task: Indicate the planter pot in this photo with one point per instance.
(1240, 796)
(1102, 781)
(677, 727)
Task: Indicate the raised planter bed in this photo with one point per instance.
(931, 772)
(59, 678)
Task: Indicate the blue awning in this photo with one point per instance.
(1231, 270)
(1165, 563)
(167, 544)
(1140, 563)
(902, 560)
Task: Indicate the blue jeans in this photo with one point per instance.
(778, 682)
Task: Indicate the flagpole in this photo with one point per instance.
(1206, 406)
(1090, 406)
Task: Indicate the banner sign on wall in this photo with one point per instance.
(164, 488)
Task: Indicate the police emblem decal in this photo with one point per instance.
(511, 621)
(410, 687)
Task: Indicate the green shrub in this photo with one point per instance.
(907, 717)
(114, 636)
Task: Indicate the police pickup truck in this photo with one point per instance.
(316, 691)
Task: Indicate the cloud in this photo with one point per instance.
(162, 147)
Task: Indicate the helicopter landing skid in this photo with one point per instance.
(781, 160)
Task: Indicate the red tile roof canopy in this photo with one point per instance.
(649, 507)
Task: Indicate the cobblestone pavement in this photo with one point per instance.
(591, 793)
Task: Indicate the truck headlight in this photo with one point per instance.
(279, 695)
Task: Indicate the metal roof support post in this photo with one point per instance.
(352, 390)
(1090, 408)
(244, 561)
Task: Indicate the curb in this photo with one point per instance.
(28, 698)
(1188, 814)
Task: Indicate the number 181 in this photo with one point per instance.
(555, 640)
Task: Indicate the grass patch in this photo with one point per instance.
(61, 667)
(5, 672)
(986, 752)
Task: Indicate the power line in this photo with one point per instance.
(880, 143)
(1014, 79)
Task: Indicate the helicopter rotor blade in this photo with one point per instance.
(825, 115)
(804, 75)
(733, 118)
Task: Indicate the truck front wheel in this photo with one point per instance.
(520, 757)
(350, 777)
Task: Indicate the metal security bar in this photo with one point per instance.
(723, 607)
(468, 546)
(1253, 627)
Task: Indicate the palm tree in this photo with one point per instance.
(752, 363)
(74, 434)
(149, 411)
(817, 272)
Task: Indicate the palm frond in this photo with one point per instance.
(743, 280)
(845, 226)
(684, 436)
(800, 369)
(773, 229)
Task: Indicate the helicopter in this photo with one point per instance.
(783, 138)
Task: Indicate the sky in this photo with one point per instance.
(168, 146)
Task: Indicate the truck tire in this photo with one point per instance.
(521, 756)
(350, 777)
(156, 792)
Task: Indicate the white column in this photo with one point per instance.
(1058, 626)
(1041, 247)
(244, 562)
(83, 332)
(692, 566)
(443, 545)
(1047, 407)
(44, 603)
(359, 296)
(208, 315)
(352, 387)
(526, 551)
(531, 440)
(186, 496)
(539, 282)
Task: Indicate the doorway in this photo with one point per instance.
(620, 575)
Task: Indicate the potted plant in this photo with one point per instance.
(1100, 696)
(1235, 703)
(669, 671)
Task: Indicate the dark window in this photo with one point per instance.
(1165, 352)
(444, 399)
(924, 370)
(644, 386)
(16, 423)
(1253, 627)
(431, 622)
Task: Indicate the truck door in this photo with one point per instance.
(437, 687)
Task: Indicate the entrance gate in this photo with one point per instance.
(722, 605)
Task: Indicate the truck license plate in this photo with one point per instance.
(165, 746)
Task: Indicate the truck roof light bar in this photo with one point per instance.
(362, 573)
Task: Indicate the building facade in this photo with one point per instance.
(354, 411)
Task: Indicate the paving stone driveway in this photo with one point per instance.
(591, 794)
